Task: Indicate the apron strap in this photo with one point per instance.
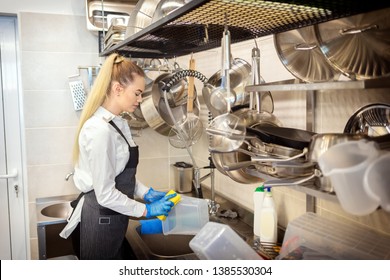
(119, 131)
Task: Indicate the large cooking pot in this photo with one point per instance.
(155, 109)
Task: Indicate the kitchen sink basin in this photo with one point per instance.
(58, 210)
(52, 214)
(169, 246)
(172, 246)
(159, 246)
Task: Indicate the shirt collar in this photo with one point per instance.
(103, 113)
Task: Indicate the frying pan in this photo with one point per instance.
(283, 136)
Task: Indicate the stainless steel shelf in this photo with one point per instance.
(308, 188)
(295, 85)
(199, 24)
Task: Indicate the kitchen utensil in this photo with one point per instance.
(376, 180)
(299, 52)
(345, 164)
(239, 74)
(165, 7)
(223, 97)
(284, 136)
(358, 45)
(141, 16)
(154, 107)
(269, 149)
(239, 175)
(77, 91)
(372, 120)
(322, 142)
(189, 132)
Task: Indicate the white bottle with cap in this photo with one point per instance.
(268, 219)
(258, 197)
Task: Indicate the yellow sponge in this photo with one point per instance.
(175, 200)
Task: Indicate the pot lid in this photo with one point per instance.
(359, 45)
(299, 52)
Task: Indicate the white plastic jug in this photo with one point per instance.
(345, 164)
(376, 180)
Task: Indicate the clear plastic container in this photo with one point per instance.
(345, 165)
(218, 241)
(376, 180)
(188, 216)
(311, 236)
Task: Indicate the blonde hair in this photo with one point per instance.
(116, 68)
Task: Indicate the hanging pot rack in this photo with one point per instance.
(197, 25)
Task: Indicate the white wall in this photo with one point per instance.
(68, 7)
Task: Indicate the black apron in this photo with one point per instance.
(102, 230)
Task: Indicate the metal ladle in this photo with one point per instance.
(227, 123)
(222, 97)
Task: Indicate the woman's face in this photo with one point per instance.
(131, 96)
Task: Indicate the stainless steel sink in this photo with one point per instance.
(52, 213)
(58, 210)
(159, 246)
(173, 246)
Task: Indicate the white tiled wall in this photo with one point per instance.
(51, 120)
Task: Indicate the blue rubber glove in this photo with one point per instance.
(152, 195)
(160, 207)
(151, 226)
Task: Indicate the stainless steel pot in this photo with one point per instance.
(239, 175)
(239, 78)
(155, 110)
(165, 7)
(320, 143)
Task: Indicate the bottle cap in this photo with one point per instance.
(260, 189)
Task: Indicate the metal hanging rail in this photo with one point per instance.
(198, 25)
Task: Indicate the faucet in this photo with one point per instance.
(197, 180)
(68, 176)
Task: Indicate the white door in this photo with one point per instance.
(13, 229)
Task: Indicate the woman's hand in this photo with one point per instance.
(152, 195)
(160, 207)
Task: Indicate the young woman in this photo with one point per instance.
(106, 159)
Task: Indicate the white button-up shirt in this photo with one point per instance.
(103, 155)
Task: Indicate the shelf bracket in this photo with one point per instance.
(310, 126)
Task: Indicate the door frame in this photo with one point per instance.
(14, 138)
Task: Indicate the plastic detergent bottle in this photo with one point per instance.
(268, 219)
(258, 197)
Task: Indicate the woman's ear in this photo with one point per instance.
(116, 88)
